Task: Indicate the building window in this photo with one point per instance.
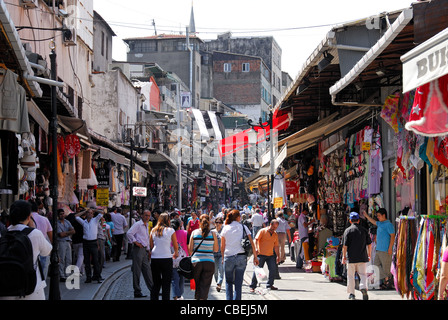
(102, 43)
(246, 67)
(227, 67)
(107, 48)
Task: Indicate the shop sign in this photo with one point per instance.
(139, 191)
(135, 176)
(278, 202)
(102, 175)
(102, 197)
(425, 63)
(365, 146)
(291, 187)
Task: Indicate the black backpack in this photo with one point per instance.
(17, 273)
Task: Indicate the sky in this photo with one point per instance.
(298, 26)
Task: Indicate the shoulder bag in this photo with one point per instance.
(185, 267)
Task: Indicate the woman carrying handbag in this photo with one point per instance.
(203, 243)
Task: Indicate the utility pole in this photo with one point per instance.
(154, 25)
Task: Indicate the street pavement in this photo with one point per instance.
(294, 284)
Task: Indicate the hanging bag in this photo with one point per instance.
(245, 243)
(185, 267)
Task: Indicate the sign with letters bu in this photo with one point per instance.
(139, 191)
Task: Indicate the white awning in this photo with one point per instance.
(396, 27)
(426, 62)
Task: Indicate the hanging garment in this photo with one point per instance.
(86, 165)
(279, 189)
(390, 110)
(13, 107)
(429, 115)
(10, 158)
(72, 145)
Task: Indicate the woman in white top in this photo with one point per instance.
(162, 236)
(235, 259)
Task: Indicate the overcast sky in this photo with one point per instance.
(297, 25)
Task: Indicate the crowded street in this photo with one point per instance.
(248, 155)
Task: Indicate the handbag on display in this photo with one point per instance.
(185, 267)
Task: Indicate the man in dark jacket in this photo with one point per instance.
(356, 252)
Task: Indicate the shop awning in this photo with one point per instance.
(426, 63)
(395, 28)
(307, 138)
(75, 126)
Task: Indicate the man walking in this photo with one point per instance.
(266, 243)
(257, 222)
(356, 252)
(90, 244)
(138, 235)
(120, 224)
(63, 235)
(385, 236)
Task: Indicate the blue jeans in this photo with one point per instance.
(234, 267)
(271, 263)
(177, 284)
(219, 268)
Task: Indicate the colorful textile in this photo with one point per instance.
(390, 111)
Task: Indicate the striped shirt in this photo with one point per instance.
(205, 251)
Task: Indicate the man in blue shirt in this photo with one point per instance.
(385, 236)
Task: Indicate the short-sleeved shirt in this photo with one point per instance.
(283, 225)
(64, 227)
(356, 238)
(384, 231)
(205, 250)
(233, 234)
(257, 220)
(162, 245)
(266, 242)
(303, 231)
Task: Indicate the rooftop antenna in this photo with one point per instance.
(154, 24)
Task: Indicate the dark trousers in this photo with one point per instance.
(162, 271)
(141, 265)
(90, 251)
(272, 267)
(203, 274)
(116, 249)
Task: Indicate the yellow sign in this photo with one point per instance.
(278, 202)
(102, 197)
(365, 146)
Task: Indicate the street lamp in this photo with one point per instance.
(271, 151)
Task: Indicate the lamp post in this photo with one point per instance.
(131, 196)
(54, 292)
(271, 156)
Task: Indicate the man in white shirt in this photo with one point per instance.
(138, 235)
(120, 224)
(90, 244)
(257, 222)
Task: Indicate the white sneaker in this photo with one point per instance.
(180, 298)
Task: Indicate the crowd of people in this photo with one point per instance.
(158, 241)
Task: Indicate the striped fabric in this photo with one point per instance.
(205, 251)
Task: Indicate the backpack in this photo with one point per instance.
(17, 273)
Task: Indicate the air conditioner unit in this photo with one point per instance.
(29, 4)
(69, 37)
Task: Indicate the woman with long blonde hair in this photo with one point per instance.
(161, 239)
